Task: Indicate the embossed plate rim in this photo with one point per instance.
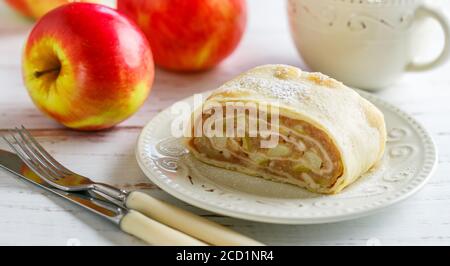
(171, 187)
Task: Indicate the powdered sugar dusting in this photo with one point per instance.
(285, 90)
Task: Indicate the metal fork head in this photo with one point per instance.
(43, 164)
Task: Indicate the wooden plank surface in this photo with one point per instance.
(30, 216)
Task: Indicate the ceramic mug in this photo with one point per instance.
(364, 43)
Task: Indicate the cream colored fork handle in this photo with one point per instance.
(187, 222)
(155, 233)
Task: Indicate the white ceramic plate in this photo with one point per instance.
(408, 163)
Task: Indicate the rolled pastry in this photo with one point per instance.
(327, 134)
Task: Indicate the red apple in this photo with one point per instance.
(37, 8)
(189, 35)
(87, 66)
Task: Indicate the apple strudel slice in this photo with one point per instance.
(311, 130)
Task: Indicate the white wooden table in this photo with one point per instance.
(30, 216)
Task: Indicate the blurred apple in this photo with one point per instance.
(87, 66)
(189, 35)
(37, 8)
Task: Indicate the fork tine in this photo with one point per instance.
(24, 157)
(38, 155)
(35, 164)
(18, 146)
(44, 153)
(30, 152)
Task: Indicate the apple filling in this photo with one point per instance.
(303, 152)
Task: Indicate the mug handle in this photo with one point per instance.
(423, 12)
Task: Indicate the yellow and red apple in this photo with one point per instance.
(37, 8)
(189, 35)
(87, 66)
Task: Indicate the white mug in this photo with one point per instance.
(364, 43)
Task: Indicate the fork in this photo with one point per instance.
(55, 174)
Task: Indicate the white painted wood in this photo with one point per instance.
(30, 216)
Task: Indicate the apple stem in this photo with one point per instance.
(38, 74)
